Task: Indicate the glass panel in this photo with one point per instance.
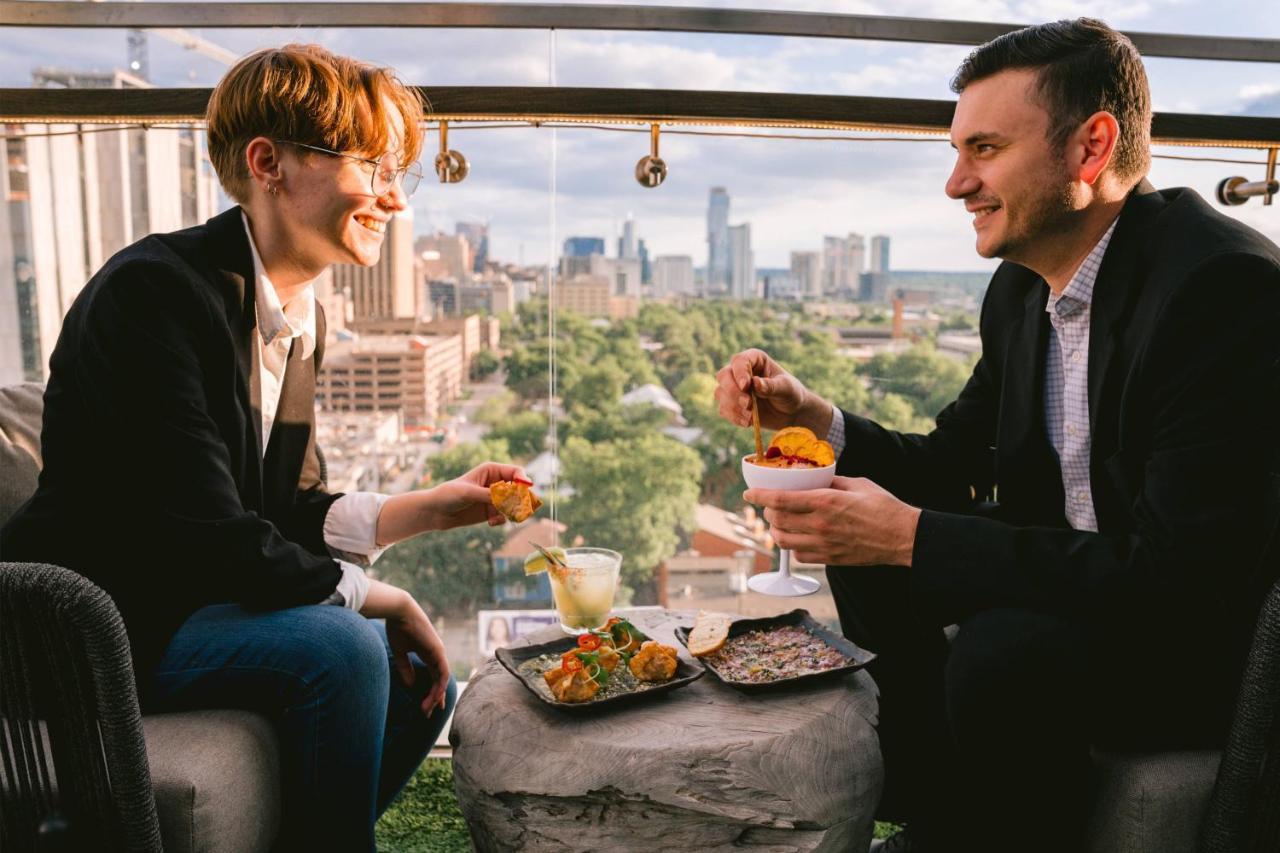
(842, 257)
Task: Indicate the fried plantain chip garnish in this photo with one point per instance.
(514, 499)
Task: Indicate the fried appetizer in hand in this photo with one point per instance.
(514, 499)
(654, 662)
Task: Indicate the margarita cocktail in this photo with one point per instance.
(583, 592)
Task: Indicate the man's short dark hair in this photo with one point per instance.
(1084, 66)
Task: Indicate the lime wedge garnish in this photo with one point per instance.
(536, 564)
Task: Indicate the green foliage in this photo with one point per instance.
(595, 385)
(635, 495)
(425, 817)
(961, 322)
(447, 571)
(484, 363)
(461, 458)
(926, 379)
(525, 434)
(893, 411)
(495, 409)
(613, 422)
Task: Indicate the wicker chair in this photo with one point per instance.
(1244, 813)
(214, 773)
(67, 699)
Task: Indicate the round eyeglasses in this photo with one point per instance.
(387, 171)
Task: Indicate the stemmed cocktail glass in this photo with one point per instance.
(782, 582)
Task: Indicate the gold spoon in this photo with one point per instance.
(755, 422)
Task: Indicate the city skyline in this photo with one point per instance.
(788, 190)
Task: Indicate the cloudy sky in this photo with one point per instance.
(792, 192)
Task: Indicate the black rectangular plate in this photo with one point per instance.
(858, 656)
(687, 672)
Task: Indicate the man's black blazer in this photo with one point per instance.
(1184, 357)
(154, 485)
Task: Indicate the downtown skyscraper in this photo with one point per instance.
(718, 263)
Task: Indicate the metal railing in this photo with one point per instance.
(583, 105)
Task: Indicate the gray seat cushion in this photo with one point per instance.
(1151, 802)
(216, 775)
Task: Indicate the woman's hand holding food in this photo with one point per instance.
(455, 503)
(853, 523)
(783, 399)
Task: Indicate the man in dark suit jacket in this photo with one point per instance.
(181, 472)
(1091, 509)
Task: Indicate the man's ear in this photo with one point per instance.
(262, 156)
(1092, 146)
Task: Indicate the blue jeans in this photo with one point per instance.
(351, 735)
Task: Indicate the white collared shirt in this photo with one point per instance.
(351, 525)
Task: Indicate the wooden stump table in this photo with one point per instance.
(702, 768)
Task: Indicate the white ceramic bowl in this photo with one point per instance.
(787, 479)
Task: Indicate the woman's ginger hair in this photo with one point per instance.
(304, 93)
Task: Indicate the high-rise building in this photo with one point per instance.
(627, 242)
(806, 269)
(718, 241)
(646, 271)
(855, 259)
(624, 273)
(843, 259)
(416, 375)
(477, 234)
(673, 274)
(742, 267)
(443, 256)
(72, 199)
(879, 253)
(493, 294)
(442, 295)
(781, 285)
(588, 295)
(582, 247)
(386, 290)
(834, 255)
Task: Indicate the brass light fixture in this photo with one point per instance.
(1236, 190)
(451, 166)
(651, 171)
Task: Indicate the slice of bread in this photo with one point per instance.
(710, 630)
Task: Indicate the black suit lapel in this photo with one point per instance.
(1116, 290)
(1027, 465)
(1022, 426)
(231, 256)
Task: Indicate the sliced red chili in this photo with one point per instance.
(570, 662)
(522, 480)
(589, 642)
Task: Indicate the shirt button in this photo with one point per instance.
(1071, 429)
(1075, 356)
(1081, 497)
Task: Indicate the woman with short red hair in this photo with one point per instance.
(181, 472)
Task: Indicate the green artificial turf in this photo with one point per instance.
(425, 817)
